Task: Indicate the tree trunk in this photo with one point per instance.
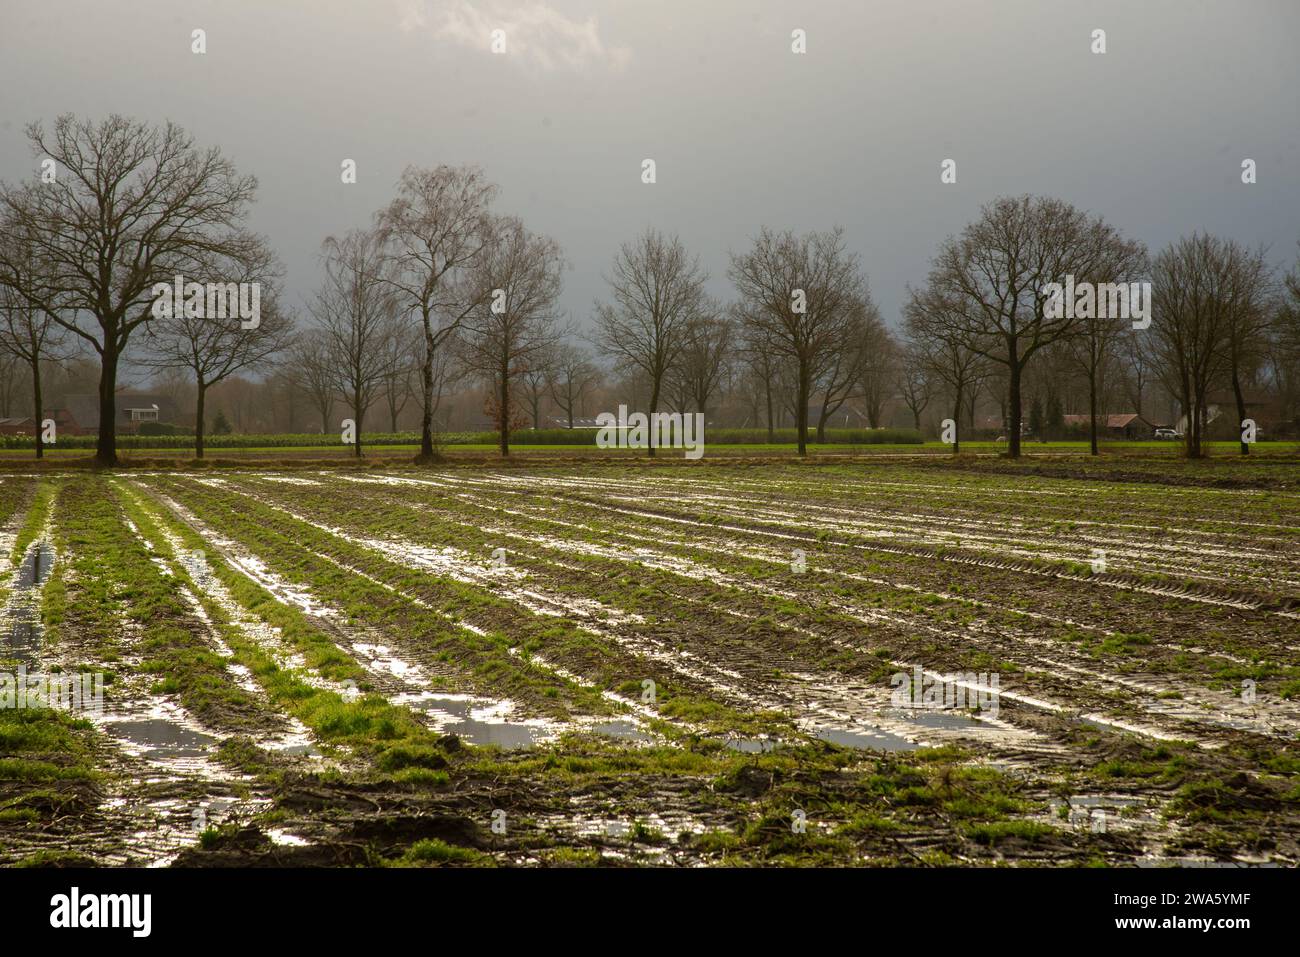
(503, 412)
(1092, 409)
(426, 384)
(956, 423)
(106, 447)
(1194, 428)
(198, 418)
(1241, 408)
(1013, 410)
(356, 424)
(651, 437)
(37, 416)
(801, 410)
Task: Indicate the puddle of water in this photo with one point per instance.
(948, 720)
(159, 739)
(471, 720)
(508, 736)
(752, 745)
(20, 624)
(35, 567)
(623, 731)
(22, 633)
(866, 740)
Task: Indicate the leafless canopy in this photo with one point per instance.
(657, 291)
(131, 205)
(508, 335)
(993, 277)
(433, 233)
(357, 311)
(801, 294)
(1210, 310)
(211, 349)
(705, 360)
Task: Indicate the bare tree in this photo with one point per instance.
(573, 377)
(1250, 295)
(938, 344)
(10, 366)
(657, 291)
(435, 231)
(994, 278)
(1137, 365)
(401, 369)
(1094, 343)
(799, 291)
(535, 381)
(212, 348)
(705, 357)
(915, 382)
(313, 372)
(878, 372)
(1207, 292)
(357, 311)
(977, 382)
(509, 335)
(760, 360)
(28, 334)
(841, 369)
(1283, 355)
(131, 206)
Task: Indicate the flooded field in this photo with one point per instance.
(880, 664)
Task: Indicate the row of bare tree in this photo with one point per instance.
(439, 286)
(1217, 311)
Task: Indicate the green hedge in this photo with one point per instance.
(523, 437)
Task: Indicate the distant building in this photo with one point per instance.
(1121, 425)
(1221, 415)
(64, 424)
(133, 410)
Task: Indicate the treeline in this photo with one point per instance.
(439, 288)
(525, 437)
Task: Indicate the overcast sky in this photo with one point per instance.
(1150, 135)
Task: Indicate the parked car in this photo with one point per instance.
(1166, 434)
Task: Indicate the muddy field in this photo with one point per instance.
(677, 665)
